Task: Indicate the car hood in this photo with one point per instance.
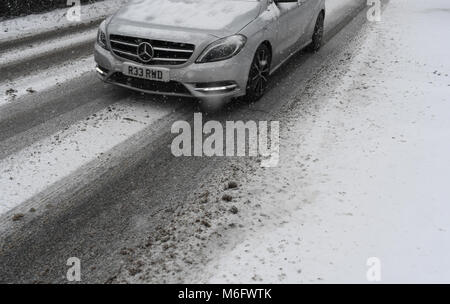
(216, 17)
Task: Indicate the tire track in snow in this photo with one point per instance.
(23, 131)
(23, 61)
(43, 80)
(29, 29)
(37, 167)
(34, 110)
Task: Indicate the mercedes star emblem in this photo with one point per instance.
(145, 52)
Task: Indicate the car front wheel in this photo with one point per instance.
(259, 74)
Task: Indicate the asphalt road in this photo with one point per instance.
(121, 197)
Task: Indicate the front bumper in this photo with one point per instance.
(206, 81)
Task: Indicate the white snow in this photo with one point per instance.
(32, 24)
(198, 14)
(367, 174)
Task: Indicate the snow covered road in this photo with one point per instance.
(73, 186)
(86, 169)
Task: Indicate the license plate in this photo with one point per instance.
(138, 71)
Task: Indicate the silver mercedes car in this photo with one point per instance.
(212, 50)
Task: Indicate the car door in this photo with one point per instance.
(301, 21)
(285, 37)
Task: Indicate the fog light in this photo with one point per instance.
(216, 87)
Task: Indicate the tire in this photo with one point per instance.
(258, 75)
(317, 37)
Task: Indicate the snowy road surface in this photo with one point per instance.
(86, 170)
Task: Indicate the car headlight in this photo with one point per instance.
(101, 39)
(223, 49)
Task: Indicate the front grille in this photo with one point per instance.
(165, 52)
(171, 87)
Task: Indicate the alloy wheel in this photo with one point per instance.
(259, 73)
